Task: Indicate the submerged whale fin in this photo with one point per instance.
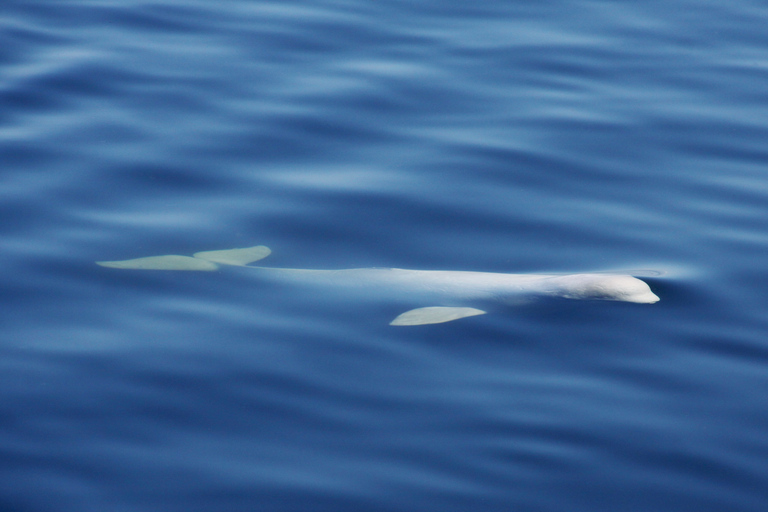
(167, 262)
(434, 315)
(237, 257)
(206, 260)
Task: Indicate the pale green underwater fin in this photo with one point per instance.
(434, 315)
(168, 262)
(237, 257)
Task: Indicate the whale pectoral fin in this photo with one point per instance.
(434, 315)
(237, 257)
(168, 262)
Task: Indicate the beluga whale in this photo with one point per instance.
(448, 290)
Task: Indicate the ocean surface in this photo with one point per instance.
(498, 136)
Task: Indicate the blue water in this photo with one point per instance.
(501, 136)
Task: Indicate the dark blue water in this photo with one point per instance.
(496, 136)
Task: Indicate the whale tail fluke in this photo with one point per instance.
(206, 260)
(237, 257)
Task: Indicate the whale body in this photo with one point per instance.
(441, 286)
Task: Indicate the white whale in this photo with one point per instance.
(441, 286)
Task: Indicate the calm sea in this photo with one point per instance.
(500, 136)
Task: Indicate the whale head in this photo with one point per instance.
(604, 287)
